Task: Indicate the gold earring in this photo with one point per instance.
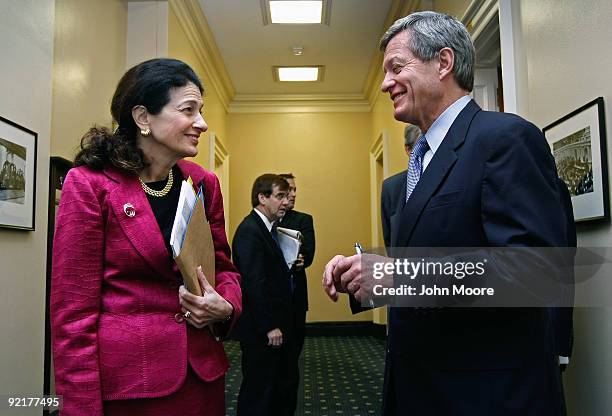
(146, 132)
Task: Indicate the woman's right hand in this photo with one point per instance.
(206, 309)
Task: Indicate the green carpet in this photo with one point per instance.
(339, 376)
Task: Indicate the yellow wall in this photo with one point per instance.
(328, 154)
(89, 59)
(179, 47)
(453, 7)
(382, 120)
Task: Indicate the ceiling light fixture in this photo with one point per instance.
(296, 11)
(298, 50)
(298, 74)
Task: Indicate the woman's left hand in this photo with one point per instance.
(203, 310)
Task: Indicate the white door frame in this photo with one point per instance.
(514, 70)
(218, 155)
(380, 147)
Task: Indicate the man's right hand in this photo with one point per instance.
(342, 274)
(275, 338)
(345, 274)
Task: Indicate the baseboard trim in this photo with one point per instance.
(345, 329)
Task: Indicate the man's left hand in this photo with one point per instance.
(298, 264)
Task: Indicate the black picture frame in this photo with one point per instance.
(578, 143)
(18, 160)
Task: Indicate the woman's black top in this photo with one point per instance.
(164, 208)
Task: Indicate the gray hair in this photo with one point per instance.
(432, 31)
(411, 134)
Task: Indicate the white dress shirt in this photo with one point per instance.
(440, 127)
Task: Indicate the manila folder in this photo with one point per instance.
(197, 250)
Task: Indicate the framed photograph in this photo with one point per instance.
(578, 143)
(17, 175)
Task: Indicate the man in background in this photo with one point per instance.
(301, 222)
(265, 329)
(391, 187)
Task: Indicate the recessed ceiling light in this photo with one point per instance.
(296, 11)
(292, 74)
(301, 11)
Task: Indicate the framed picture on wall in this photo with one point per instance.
(17, 175)
(578, 143)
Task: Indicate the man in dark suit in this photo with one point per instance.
(302, 222)
(475, 179)
(265, 329)
(389, 194)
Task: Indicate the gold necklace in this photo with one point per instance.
(162, 192)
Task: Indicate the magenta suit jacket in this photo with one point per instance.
(114, 297)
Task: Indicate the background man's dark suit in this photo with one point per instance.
(389, 196)
(563, 318)
(267, 304)
(490, 183)
(303, 223)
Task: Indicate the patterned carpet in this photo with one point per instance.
(339, 376)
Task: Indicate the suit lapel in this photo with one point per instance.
(268, 237)
(438, 168)
(141, 229)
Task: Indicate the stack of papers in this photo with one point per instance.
(184, 209)
(191, 239)
(289, 241)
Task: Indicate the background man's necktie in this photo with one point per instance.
(274, 233)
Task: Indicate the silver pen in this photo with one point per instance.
(358, 248)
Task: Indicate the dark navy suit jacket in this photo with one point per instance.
(491, 183)
(266, 292)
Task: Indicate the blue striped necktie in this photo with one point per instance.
(415, 165)
(274, 233)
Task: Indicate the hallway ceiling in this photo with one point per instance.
(250, 49)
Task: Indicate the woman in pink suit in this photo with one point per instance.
(128, 339)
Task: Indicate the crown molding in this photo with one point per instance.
(399, 8)
(299, 103)
(192, 20)
(478, 14)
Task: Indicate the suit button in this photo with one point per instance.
(178, 318)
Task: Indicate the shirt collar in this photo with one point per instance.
(267, 223)
(440, 127)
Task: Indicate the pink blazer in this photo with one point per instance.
(114, 295)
